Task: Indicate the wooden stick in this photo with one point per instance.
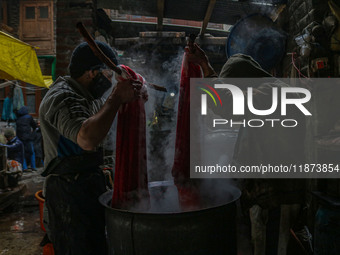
(96, 50)
(101, 55)
(157, 87)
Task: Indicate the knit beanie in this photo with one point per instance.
(83, 58)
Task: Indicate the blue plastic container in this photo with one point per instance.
(256, 35)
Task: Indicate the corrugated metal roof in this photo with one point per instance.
(225, 11)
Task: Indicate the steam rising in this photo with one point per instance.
(161, 107)
(161, 118)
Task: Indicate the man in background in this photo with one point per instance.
(15, 148)
(15, 157)
(272, 204)
(38, 146)
(25, 126)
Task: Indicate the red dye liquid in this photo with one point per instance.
(131, 181)
(187, 191)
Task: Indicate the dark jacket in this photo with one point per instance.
(25, 125)
(265, 145)
(15, 150)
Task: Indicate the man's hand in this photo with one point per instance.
(140, 91)
(95, 128)
(127, 90)
(197, 55)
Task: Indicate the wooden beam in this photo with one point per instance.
(4, 12)
(207, 16)
(160, 14)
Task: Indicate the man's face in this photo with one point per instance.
(101, 82)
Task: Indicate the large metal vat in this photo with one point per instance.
(210, 231)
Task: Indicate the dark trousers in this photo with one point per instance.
(28, 148)
(76, 218)
(327, 231)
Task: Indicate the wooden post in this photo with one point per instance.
(4, 12)
(207, 16)
(3, 158)
(160, 15)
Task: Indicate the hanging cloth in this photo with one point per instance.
(187, 189)
(18, 98)
(7, 111)
(131, 180)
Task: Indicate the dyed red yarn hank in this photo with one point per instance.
(187, 190)
(131, 181)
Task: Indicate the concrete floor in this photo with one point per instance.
(20, 231)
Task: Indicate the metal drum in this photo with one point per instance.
(207, 231)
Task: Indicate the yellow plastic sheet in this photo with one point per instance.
(18, 61)
(48, 80)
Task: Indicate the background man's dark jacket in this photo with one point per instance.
(15, 150)
(265, 145)
(25, 125)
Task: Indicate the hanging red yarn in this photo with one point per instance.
(131, 180)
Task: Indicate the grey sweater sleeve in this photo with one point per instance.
(65, 111)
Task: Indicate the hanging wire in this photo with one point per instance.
(23, 87)
(299, 72)
(297, 69)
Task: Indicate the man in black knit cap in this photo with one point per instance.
(74, 122)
